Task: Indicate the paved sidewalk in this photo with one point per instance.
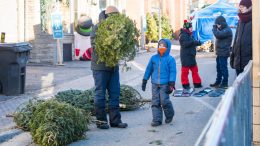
(45, 81)
(191, 113)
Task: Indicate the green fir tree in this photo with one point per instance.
(152, 29)
(166, 28)
(156, 18)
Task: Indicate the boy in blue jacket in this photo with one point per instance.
(162, 69)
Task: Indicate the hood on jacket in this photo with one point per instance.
(185, 31)
(246, 3)
(102, 16)
(220, 20)
(168, 44)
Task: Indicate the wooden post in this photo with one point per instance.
(143, 18)
(59, 52)
(160, 19)
(256, 72)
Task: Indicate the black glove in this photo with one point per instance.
(215, 26)
(171, 87)
(144, 84)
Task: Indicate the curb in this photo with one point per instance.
(7, 135)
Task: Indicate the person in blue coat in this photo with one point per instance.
(162, 70)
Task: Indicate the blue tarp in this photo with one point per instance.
(205, 18)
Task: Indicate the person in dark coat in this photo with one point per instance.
(188, 57)
(241, 52)
(223, 35)
(106, 79)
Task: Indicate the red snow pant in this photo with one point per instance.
(185, 73)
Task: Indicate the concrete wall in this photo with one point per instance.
(9, 20)
(256, 72)
(42, 43)
(20, 20)
(44, 46)
(133, 10)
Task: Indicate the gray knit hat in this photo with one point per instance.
(84, 26)
(111, 9)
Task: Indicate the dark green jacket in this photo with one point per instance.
(94, 60)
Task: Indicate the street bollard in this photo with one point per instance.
(2, 37)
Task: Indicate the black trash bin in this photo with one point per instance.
(13, 60)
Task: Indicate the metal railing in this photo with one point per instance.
(231, 123)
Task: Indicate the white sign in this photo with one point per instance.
(57, 28)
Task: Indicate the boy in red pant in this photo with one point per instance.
(188, 55)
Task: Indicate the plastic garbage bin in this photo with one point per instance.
(13, 60)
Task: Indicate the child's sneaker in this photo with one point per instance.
(223, 86)
(188, 90)
(197, 85)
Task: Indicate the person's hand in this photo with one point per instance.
(198, 43)
(215, 26)
(232, 60)
(144, 84)
(171, 87)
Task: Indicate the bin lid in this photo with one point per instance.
(15, 47)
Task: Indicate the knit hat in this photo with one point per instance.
(187, 24)
(162, 42)
(85, 22)
(220, 20)
(102, 16)
(246, 3)
(84, 26)
(111, 9)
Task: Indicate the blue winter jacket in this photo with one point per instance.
(162, 69)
